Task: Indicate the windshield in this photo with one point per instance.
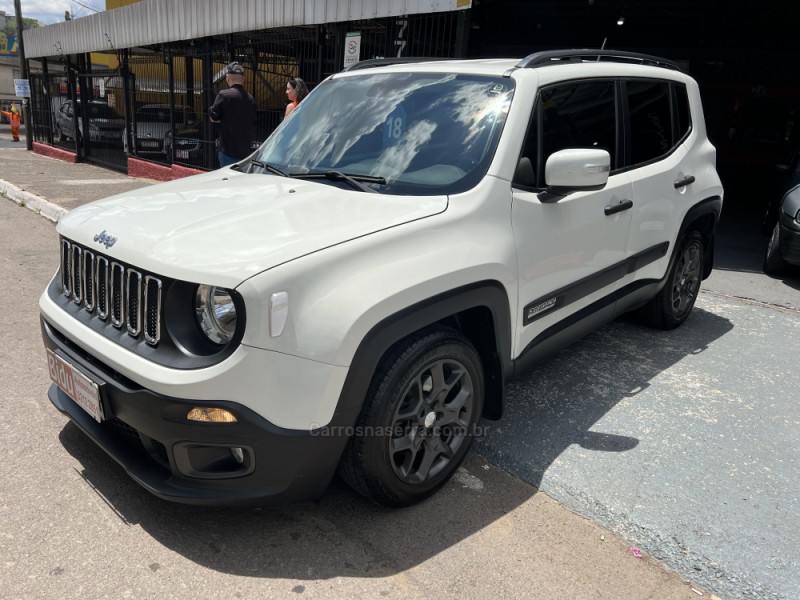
(423, 133)
(103, 111)
(156, 114)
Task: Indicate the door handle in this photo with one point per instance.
(684, 182)
(615, 208)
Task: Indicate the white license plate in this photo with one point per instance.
(149, 144)
(181, 154)
(76, 385)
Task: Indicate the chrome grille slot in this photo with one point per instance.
(66, 273)
(116, 295)
(89, 287)
(152, 310)
(133, 294)
(75, 263)
(131, 299)
(102, 287)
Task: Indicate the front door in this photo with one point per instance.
(571, 253)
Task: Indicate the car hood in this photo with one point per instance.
(223, 227)
(107, 123)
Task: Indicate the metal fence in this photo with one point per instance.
(152, 103)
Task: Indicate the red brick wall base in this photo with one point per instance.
(54, 152)
(136, 167)
(143, 168)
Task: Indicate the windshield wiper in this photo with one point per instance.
(267, 167)
(355, 181)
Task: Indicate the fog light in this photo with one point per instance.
(211, 415)
(238, 455)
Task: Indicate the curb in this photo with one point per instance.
(38, 205)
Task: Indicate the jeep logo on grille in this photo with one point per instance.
(106, 239)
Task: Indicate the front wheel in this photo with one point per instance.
(672, 305)
(773, 261)
(418, 420)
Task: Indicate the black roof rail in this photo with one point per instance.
(391, 60)
(553, 57)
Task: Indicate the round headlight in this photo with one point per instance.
(216, 313)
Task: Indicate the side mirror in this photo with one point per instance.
(577, 169)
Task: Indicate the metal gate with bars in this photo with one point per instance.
(152, 103)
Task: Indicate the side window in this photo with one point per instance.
(579, 115)
(650, 120)
(525, 176)
(683, 121)
(573, 115)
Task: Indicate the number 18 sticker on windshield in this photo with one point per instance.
(394, 127)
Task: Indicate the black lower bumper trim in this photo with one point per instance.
(142, 430)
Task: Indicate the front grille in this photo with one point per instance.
(101, 288)
(117, 291)
(133, 295)
(89, 288)
(109, 289)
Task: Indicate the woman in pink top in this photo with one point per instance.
(296, 90)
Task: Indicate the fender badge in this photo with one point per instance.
(106, 239)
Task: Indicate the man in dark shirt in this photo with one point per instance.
(235, 110)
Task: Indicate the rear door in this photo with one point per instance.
(663, 169)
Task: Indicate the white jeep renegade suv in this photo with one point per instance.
(354, 295)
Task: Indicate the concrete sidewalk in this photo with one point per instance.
(52, 187)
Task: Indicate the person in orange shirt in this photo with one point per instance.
(14, 117)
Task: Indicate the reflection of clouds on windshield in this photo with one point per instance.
(350, 120)
(345, 123)
(473, 103)
(395, 159)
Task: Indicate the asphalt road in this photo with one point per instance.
(685, 444)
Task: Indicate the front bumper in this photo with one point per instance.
(192, 463)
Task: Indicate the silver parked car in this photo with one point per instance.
(152, 124)
(105, 123)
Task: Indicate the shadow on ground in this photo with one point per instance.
(343, 535)
(557, 404)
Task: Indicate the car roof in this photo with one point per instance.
(163, 106)
(550, 65)
(477, 66)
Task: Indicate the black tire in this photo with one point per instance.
(773, 261)
(673, 304)
(418, 420)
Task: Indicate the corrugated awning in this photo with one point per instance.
(160, 21)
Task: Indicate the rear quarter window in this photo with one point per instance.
(659, 118)
(651, 130)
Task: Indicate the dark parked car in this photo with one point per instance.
(105, 123)
(782, 219)
(188, 145)
(153, 123)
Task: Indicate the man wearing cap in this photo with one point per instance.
(235, 110)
